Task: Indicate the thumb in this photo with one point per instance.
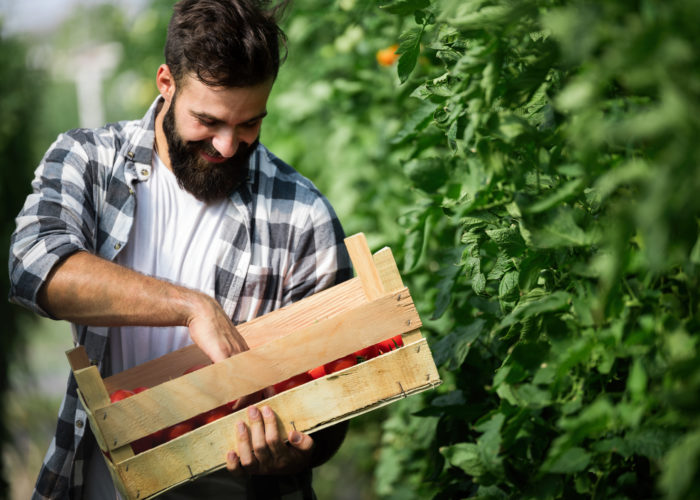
(300, 441)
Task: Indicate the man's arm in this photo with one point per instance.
(89, 290)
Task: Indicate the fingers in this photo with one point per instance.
(246, 456)
(261, 449)
(300, 441)
(272, 437)
(233, 464)
(212, 330)
(258, 436)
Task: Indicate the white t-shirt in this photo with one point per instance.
(174, 237)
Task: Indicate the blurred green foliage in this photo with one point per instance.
(534, 166)
(19, 92)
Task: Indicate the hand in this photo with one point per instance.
(261, 449)
(212, 330)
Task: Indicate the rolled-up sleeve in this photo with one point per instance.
(57, 219)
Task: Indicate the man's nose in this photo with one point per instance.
(226, 143)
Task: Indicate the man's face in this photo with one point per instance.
(211, 133)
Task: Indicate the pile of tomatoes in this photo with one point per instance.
(165, 435)
(341, 363)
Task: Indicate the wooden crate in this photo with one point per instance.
(371, 307)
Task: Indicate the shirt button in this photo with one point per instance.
(79, 424)
(131, 191)
(117, 246)
(144, 172)
(130, 154)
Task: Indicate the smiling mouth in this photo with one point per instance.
(212, 159)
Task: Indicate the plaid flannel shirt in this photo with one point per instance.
(282, 241)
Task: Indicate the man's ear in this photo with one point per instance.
(165, 82)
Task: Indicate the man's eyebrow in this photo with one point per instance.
(206, 116)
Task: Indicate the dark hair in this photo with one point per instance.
(228, 43)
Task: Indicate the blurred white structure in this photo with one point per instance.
(88, 68)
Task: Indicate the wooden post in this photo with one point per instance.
(391, 279)
(364, 266)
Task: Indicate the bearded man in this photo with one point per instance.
(150, 235)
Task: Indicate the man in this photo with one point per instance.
(152, 234)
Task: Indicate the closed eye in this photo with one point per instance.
(251, 124)
(207, 122)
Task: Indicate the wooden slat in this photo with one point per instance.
(78, 358)
(391, 279)
(364, 266)
(311, 407)
(92, 394)
(387, 269)
(250, 371)
(92, 388)
(301, 314)
(91, 419)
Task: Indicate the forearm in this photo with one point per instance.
(89, 290)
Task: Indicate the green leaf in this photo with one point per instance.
(508, 287)
(427, 174)
(572, 460)
(549, 303)
(479, 283)
(562, 194)
(453, 398)
(637, 381)
(503, 264)
(485, 18)
(561, 230)
(508, 239)
(409, 49)
(405, 7)
(489, 443)
(452, 350)
(415, 123)
(680, 468)
(466, 457)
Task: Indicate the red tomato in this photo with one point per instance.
(140, 389)
(215, 414)
(390, 344)
(120, 394)
(143, 444)
(195, 368)
(295, 381)
(388, 55)
(368, 352)
(179, 429)
(341, 363)
(317, 372)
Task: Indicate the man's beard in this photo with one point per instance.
(205, 180)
